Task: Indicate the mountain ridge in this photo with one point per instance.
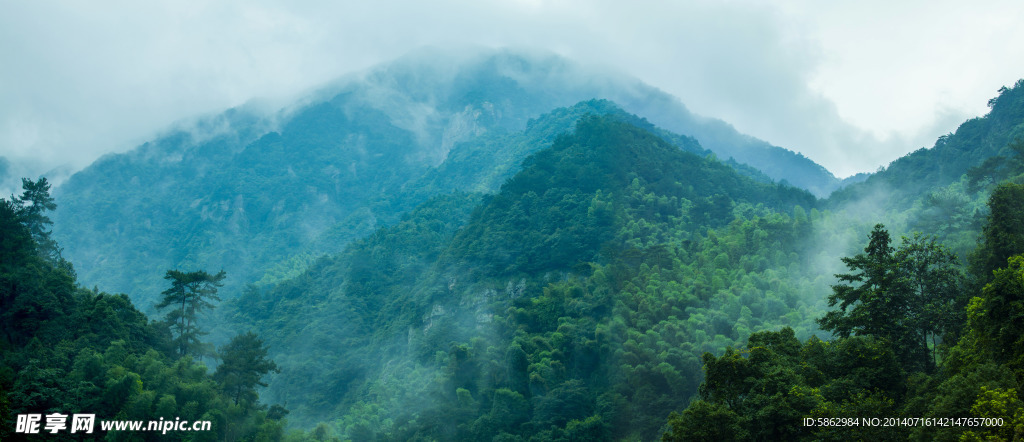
(594, 201)
(244, 191)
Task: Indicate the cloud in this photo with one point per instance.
(851, 86)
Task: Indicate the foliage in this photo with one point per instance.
(1000, 316)
(905, 296)
(190, 293)
(579, 300)
(244, 363)
(893, 299)
(555, 310)
(766, 391)
(33, 204)
(1003, 235)
(244, 191)
(65, 349)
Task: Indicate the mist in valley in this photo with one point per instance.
(574, 233)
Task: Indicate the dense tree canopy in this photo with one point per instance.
(557, 310)
(620, 275)
(1003, 235)
(897, 305)
(65, 349)
(905, 296)
(243, 364)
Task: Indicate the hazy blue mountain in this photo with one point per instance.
(433, 304)
(525, 85)
(493, 246)
(10, 177)
(261, 195)
(6, 178)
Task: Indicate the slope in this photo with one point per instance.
(262, 195)
(558, 307)
(66, 350)
(982, 143)
(964, 300)
(942, 190)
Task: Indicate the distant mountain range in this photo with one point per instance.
(260, 195)
(509, 246)
(459, 269)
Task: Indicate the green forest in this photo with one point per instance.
(583, 275)
(68, 349)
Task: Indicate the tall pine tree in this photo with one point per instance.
(190, 293)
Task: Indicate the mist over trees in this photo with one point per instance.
(879, 364)
(494, 252)
(65, 349)
(229, 191)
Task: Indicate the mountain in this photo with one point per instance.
(65, 349)
(923, 313)
(545, 299)
(721, 138)
(943, 190)
(983, 144)
(262, 195)
(7, 178)
(524, 85)
(10, 177)
(430, 252)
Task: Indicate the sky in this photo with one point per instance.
(851, 85)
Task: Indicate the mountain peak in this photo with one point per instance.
(423, 89)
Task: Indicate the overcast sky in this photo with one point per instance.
(851, 85)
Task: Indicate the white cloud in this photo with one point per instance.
(850, 85)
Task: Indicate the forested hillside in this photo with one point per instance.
(576, 302)
(925, 326)
(931, 351)
(978, 148)
(68, 350)
(942, 191)
(513, 247)
(262, 195)
(557, 308)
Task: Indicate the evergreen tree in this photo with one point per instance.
(1003, 235)
(1000, 324)
(905, 296)
(931, 277)
(33, 204)
(244, 364)
(64, 348)
(35, 284)
(190, 293)
(868, 303)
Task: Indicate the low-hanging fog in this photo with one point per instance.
(851, 87)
